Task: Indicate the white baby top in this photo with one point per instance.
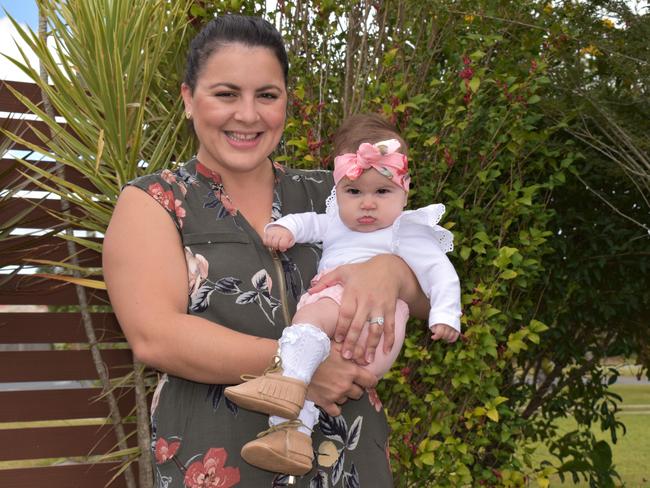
(414, 236)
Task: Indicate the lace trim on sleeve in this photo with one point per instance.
(426, 217)
(331, 207)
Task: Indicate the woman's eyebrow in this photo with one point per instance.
(223, 84)
(232, 86)
(269, 87)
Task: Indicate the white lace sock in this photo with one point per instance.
(302, 348)
(308, 416)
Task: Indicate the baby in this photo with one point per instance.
(365, 216)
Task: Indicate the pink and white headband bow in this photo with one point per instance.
(382, 156)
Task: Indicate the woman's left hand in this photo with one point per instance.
(371, 290)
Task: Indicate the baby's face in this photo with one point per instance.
(369, 203)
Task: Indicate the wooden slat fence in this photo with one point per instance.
(52, 415)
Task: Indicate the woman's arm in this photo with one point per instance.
(146, 276)
(371, 289)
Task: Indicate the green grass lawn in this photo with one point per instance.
(633, 394)
(631, 453)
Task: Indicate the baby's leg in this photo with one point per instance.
(301, 352)
(323, 314)
(303, 347)
(383, 361)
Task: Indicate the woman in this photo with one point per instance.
(196, 232)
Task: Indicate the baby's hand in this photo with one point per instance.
(278, 238)
(444, 332)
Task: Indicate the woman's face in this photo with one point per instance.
(238, 107)
(370, 202)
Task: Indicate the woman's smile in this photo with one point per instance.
(243, 140)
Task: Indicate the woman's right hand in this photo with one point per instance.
(337, 380)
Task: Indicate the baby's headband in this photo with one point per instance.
(382, 156)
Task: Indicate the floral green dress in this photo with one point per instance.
(236, 281)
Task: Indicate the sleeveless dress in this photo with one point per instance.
(197, 434)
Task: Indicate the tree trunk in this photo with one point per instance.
(116, 418)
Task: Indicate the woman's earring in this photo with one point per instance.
(188, 115)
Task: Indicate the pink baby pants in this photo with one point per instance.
(382, 361)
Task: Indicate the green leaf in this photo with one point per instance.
(479, 411)
(492, 311)
(88, 283)
(516, 346)
(434, 428)
(483, 237)
(390, 56)
(427, 459)
(602, 456)
(474, 84)
(493, 415)
(95, 246)
(508, 274)
(499, 400)
(537, 326)
(465, 252)
(68, 266)
(476, 55)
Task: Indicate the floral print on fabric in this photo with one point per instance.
(184, 178)
(374, 399)
(168, 201)
(215, 394)
(260, 294)
(162, 381)
(217, 198)
(292, 276)
(165, 450)
(211, 472)
(336, 429)
(197, 270)
(171, 178)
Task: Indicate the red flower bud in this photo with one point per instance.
(448, 158)
(467, 74)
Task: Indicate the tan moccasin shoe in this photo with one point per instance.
(272, 394)
(281, 449)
